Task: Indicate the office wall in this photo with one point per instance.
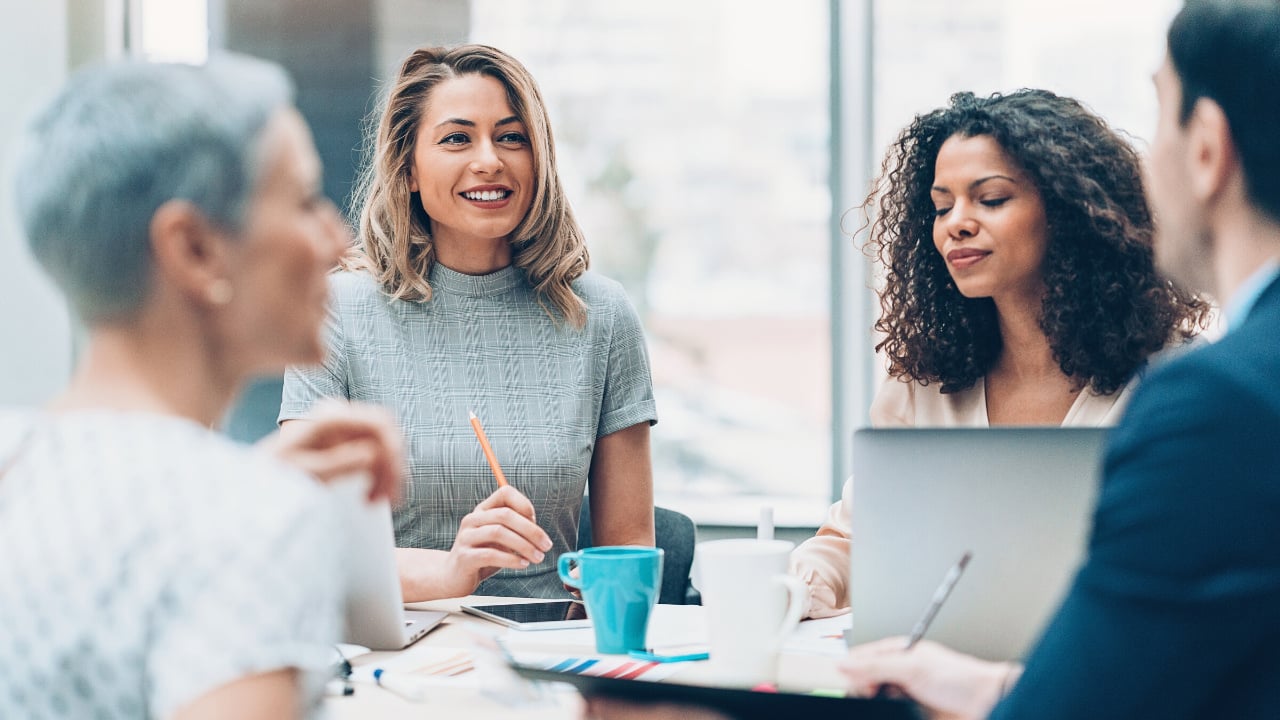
(328, 49)
(35, 334)
(402, 25)
(337, 53)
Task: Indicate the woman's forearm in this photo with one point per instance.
(428, 575)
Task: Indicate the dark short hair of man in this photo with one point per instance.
(1229, 51)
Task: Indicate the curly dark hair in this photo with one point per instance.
(1105, 310)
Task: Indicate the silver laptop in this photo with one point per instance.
(375, 614)
(1021, 499)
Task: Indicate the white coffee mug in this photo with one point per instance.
(752, 605)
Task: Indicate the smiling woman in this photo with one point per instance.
(473, 170)
(469, 293)
(1020, 286)
(1062, 285)
(989, 221)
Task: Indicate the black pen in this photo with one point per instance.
(922, 625)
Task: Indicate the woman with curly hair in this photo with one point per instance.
(1019, 288)
(469, 292)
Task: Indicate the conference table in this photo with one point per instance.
(491, 691)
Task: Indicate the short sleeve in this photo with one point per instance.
(304, 385)
(257, 599)
(628, 384)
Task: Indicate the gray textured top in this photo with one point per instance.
(544, 391)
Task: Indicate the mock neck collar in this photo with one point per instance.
(444, 280)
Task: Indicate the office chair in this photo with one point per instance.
(253, 417)
(676, 535)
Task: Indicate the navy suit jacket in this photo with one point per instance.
(1176, 610)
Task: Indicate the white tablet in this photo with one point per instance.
(545, 615)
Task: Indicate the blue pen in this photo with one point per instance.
(688, 657)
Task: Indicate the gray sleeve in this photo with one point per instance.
(628, 385)
(303, 385)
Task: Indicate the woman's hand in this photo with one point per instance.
(501, 532)
(339, 439)
(949, 685)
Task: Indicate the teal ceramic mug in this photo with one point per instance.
(620, 586)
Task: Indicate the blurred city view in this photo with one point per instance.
(693, 139)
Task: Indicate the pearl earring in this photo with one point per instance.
(220, 292)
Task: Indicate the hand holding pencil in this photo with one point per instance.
(501, 532)
(946, 683)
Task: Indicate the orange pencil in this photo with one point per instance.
(488, 451)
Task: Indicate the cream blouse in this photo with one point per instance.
(822, 561)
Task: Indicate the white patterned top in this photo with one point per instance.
(145, 561)
(544, 391)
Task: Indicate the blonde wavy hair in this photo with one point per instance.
(394, 230)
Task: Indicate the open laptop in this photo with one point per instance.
(375, 614)
(1021, 499)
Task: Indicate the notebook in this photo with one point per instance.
(1021, 499)
(375, 614)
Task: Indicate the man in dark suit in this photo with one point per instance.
(1176, 611)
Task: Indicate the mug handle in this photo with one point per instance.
(797, 593)
(563, 568)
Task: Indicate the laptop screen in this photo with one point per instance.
(1019, 498)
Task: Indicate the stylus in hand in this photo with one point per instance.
(939, 597)
(922, 625)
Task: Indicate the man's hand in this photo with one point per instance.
(949, 685)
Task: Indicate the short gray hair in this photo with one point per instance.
(120, 140)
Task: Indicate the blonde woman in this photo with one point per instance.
(469, 291)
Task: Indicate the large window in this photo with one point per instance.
(693, 138)
(170, 30)
(1099, 51)
(701, 142)
(696, 141)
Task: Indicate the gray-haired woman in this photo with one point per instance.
(149, 566)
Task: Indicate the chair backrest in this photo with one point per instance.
(676, 535)
(253, 417)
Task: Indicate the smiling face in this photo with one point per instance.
(472, 163)
(989, 222)
(291, 238)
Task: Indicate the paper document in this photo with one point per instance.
(427, 666)
(824, 636)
